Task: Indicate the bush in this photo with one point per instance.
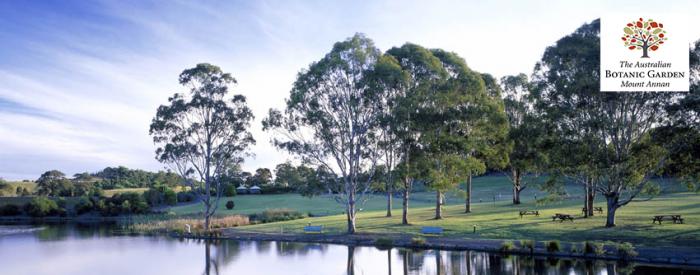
(275, 215)
(528, 244)
(553, 246)
(186, 196)
(230, 205)
(229, 190)
(10, 210)
(170, 197)
(384, 243)
(418, 241)
(506, 246)
(41, 207)
(593, 248)
(84, 205)
(153, 197)
(626, 251)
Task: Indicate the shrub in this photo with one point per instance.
(41, 207)
(506, 246)
(185, 196)
(10, 210)
(528, 244)
(418, 241)
(170, 197)
(275, 215)
(553, 246)
(153, 197)
(575, 249)
(230, 205)
(84, 205)
(229, 190)
(626, 251)
(590, 247)
(384, 243)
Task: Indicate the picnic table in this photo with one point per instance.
(562, 217)
(674, 218)
(595, 209)
(529, 212)
(431, 230)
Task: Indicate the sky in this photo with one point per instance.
(80, 81)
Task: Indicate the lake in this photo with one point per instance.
(93, 249)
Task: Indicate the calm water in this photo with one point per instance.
(82, 249)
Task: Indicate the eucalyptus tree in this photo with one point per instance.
(611, 130)
(331, 118)
(389, 81)
(409, 72)
(681, 134)
(201, 133)
(525, 134)
(459, 120)
(53, 183)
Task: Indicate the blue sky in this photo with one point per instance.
(81, 80)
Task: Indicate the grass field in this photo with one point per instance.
(493, 221)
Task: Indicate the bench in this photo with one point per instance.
(431, 230)
(562, 217)
(595, 209)
(313, 229)
(674, 218)
(529, 212)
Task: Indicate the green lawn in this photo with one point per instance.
(484, 188)
(499, 221)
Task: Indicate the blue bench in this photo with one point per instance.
(313, 229)
(431, 230)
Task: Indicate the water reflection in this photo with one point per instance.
(80, 249)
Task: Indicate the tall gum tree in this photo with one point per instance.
(201, 133)
(461, 119)
(525, 135)
(331, 119)
(614, 127)
(418, 71)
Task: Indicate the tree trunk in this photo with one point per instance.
(438, 205)
(589, 198)
(645, 51)
(406, 192)
(351, 213)
(612, 199)
(388, 200)
(517, 187)
(468, 200)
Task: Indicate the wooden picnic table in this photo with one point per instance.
(529, 212)
(562, 217)
(674, 218)
(595, 209)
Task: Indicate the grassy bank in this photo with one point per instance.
(502, 222)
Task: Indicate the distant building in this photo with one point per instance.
(242, 190)
(254, 189)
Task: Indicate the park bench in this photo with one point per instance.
(562, 217)
(431, 230)
(595, 209)
(674, 218)
(313, 229)
(529, 212)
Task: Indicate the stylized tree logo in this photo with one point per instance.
(644, 35)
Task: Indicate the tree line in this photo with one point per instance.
(413, 115)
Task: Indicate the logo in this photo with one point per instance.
(643, 36)
(640, 54)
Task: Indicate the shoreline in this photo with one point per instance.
(676, 256)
